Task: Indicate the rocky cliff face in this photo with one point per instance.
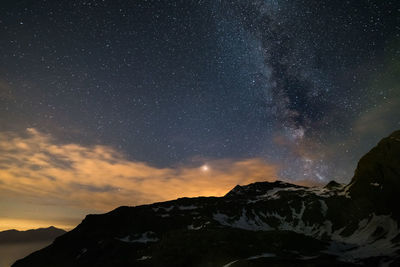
(261, 224)
(376, 182)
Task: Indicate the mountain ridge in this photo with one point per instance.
(264, 223)
(12, 235)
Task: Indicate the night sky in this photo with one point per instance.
(301, 89)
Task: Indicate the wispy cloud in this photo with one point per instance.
(35, 168)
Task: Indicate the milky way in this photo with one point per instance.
(308, 85)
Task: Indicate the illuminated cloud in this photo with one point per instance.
(35, 169)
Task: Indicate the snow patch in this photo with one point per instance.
(273, 193)
(144, 258)
(143, 238)
(341, 190)
(373, 238)
(191, 207)
(264, 255)
(315, 230)
(229, 264)
(192, 227)
(83, 251)
(167, 209)
(243, 222)
(308, 257)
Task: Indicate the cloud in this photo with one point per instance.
(36, 169)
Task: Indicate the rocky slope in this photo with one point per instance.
(261, 224)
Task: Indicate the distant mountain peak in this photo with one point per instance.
(31, 235)
(258, 188)
(333, 184)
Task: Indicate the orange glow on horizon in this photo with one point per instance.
(27, 224)
(35, 169)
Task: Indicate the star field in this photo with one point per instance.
(308, 85)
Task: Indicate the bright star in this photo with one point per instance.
(205, 168)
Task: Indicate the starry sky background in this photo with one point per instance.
(305, 86)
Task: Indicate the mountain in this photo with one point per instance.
(17, 244)
(14, 236)
(261, 224)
